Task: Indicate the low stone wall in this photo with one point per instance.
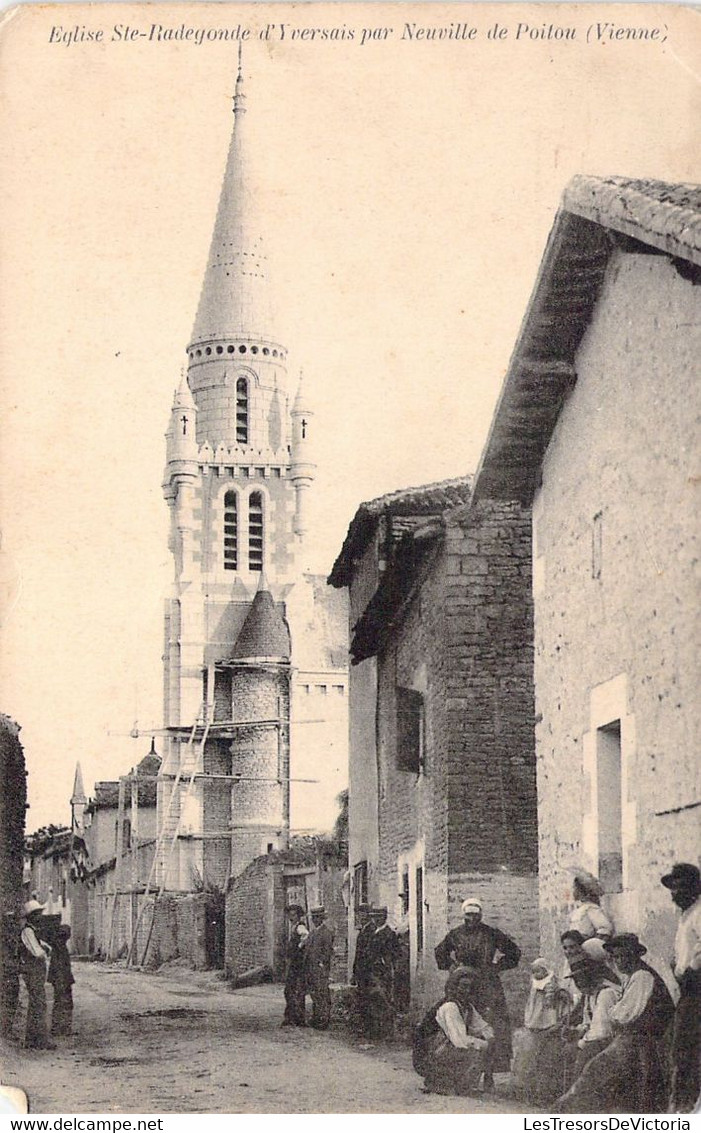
(178, 931)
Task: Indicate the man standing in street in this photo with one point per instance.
(365, 933)
(378, 999)
(294, 976)
(318, 952)
(34, 961)
(61, 976)
(684, 883)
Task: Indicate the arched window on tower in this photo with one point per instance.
(242, 411)
(255, 531)
(231, 532)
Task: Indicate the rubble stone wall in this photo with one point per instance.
(466, 645)
(616, 600)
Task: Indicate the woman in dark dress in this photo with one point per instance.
(490, 952)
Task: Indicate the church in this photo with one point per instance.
(255, 646)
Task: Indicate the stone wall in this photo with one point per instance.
(250, 929)
(178, 931)
(466, 645)
(616, 601)
(363, 843)
(256, 923)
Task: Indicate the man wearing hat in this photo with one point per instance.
(318, 952)
(628, 1075)
(490, 951)
(365, 932)
(294, 970)
(34, 961)
(377, 992)
(684, 883)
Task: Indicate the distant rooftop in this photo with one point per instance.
(426, 499)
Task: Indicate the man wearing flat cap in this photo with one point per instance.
(684, 884)
(628, 1075)
(490, 951)
(318, 952)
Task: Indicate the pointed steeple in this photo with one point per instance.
(234, 301)
(79, 801)
(78, 795)
(264, 635)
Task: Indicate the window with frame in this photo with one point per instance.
(404, 894)
(231, 532)
(609, 790)
(410, 730)
(255, 531)
(360, 887)
(242, 411)
(419, 910)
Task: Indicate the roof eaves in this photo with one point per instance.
(434, 498)
(666, 217)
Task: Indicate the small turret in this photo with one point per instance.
(302, 468)
(181, 441)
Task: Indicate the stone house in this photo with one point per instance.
(120, 846)
(442, 771)
(55, 861)
(596, 429)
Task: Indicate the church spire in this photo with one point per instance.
(234, 302)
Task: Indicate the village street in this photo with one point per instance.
(183, 1042)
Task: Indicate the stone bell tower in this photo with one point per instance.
(238, 473)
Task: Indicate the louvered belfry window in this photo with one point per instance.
(242, 411)
(231, 532)
(255, 531)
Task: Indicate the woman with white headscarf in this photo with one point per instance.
(538, 1046)
(490, 951)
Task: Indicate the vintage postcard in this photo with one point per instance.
(349, 385)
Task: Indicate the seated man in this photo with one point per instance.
(600, 991)
(452, 1041)
(627, 1076)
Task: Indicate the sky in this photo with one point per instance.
(406, 186)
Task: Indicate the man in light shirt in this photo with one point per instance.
(34, 961)
(627, 1076)
(684, 883)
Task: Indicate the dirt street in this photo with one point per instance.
(183, 1042)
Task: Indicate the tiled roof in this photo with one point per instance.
(106, 794)
(666, 216)
(426, 499)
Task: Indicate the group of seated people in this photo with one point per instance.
(597, 1035)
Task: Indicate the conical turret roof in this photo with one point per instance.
(234, 300)
(264, 635)
(78, 795)
(183, 398)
